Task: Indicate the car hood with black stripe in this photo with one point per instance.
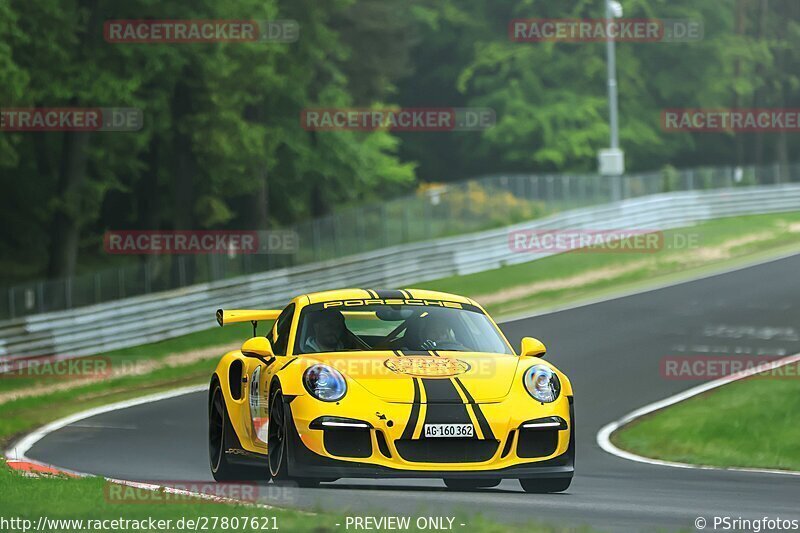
(428, 377)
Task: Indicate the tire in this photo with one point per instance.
(219, 427)
(470, 484)
(545, 486)
(278, 445)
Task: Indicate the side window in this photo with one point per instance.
(281, 331)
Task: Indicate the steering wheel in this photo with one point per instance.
(444, 345)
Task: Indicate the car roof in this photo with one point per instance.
(372, 294)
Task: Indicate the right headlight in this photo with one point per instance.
(542, 383)
(325, 383)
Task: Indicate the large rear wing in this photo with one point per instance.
(245, 315)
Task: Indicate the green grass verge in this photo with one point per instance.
(93, 499)
(128, 357)
(750, 423)
(24, 414)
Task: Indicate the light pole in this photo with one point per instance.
(612, 160)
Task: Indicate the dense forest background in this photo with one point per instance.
(222, 145)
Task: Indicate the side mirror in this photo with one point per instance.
(532, 348)
(259, 346)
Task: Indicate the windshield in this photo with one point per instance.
(327, 327)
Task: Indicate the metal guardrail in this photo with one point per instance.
(149, 318)
(435, 212)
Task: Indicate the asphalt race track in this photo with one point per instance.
(611, 351)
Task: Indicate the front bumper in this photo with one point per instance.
(304, 462)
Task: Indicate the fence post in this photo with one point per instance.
(68, 293)
(406, 229)
(182, 270)
(360, 235)
(147, 277)
(335, 234)
(315, 238)
(385, 225)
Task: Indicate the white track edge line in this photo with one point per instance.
(604, 435)
(18, 452)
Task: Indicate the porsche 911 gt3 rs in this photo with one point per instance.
(363, 383)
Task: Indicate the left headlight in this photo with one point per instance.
(325, 383)
(542, 383)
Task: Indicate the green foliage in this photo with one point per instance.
(222, 145)
(221, 122)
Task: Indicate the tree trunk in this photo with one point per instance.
(261, 202)
(737, 71)
(65, 229)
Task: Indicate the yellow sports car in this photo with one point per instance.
(389, 383)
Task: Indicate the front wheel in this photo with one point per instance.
(278, 445)
(544, 486)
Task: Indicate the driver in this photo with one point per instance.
(327, 332)
(435, 332)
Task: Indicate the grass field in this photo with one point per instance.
(749, 423)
